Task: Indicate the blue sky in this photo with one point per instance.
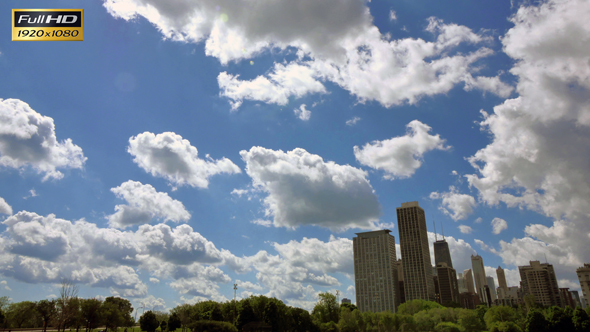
(186, 146)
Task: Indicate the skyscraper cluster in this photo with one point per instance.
(382, 282)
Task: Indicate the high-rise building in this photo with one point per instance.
(469, 281)
(584, 278)
(492, 285)
(479, 274)
(566, 298)
(346, 301)
(501, 278)
(413, 238)
(509, 297)
(461, 283)
(400, 281)
(576, 297)
(539, 280)
(375, 271)
(447, 284)
(442, 253)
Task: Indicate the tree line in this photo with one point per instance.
(326, 316)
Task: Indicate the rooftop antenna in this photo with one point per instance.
(434, 224)
(545, 258)
(443, 230)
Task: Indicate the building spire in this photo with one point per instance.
(434, 224)
(443, 230)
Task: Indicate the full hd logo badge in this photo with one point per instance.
(48, 24)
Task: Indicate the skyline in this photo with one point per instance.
(182, 148)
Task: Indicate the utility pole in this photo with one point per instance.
(235, 290)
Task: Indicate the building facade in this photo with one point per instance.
(413, 237)
(539, 280)
(584, 278)
(492, 285)
(461, 283)
(442, 254)
(375, 271)
(479, 274)
(447, 284)
(501, 278)
(468, 275)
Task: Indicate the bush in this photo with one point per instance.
(148, 322)
(212, 326)
(448, 327)
(505, 327)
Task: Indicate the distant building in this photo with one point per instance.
(479, 274)
(447, 284)
(413, 237)
(584, 278)
(468, 275)
(400, 282)
(501, 278)
(539, 280)
(345, 300)
(492, 285)
(584, 303)
(509, 297)
(442, 253)
(566, 298)
(375, 271)
(468, 300)
(461, 283)
(576, 297)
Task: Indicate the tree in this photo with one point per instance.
(212, 326)
(163, 325)
(148, 322)
(91, 313)
(470, 321)
(185, 313)
(64, 305)
(20, 312)
(350, 306)
(499, 314)
(271, 315)
(301, 319)
(47, 311)
(347, 323)
(326, 309)
(505, 327)
(559, 320)
(535, 322)
(581, 320)
(118, 312)
(173, 322)
(414, 306)
(447, 327)
(246, 314)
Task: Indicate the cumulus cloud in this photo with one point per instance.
(262, 222)
(143, 204)
(400, 156)
(153, 303)
(540, 147)
(343, 46)
(4, 207)
(285, 81)
(302, 113)
(353, 121)
(457, 206)
(155, 280)
(465, 229)
(170, 156)
(392, 15)
(498, 225)
(28, 138)
(303, 189)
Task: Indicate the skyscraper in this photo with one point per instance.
(442, 253)
(584, 278)
(492, 285)
(501, 278)
(413, 238)
(375, 271)
(479, 274)
(461, 283)
(469, 281)
(447, 283)
(539, 280)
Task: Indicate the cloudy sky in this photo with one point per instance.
(185, 146)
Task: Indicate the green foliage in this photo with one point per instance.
(271, 315)
(173, 322)
(559, 320)
(47, 311)
(246, 315)
(212, 326)
(581, 320)
(185, 313)
(470, 321)
(505, 327)
(20, 312)
(499, 314)
(448, 327)
(163, 325)
(350, 307)
(535, 322)
(415, 306)
(148, 322)
(300, 320)
(117, 312)
(1, 317)
(347, 322)
(326, 309)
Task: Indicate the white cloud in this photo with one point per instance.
(28, 138)
(262, 222)
(239, 192)
(540, 147)
(5, 284)
(155, 280)
(248, 285)
(170, 156)
(353, 121)
(465, 229)
(498, 225)
(400, 156)
(32, 193)
(153, 303)
(4, 207)
(302, 113)
(284, 82)
(344, 47)
(478, 220)
(392, 15)
(303, 189)
(143, 204)
(457, 206)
